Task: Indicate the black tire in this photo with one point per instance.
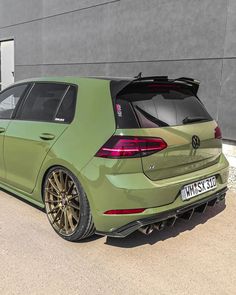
(61, 205)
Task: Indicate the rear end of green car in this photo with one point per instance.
(111, 155)
(163, 161)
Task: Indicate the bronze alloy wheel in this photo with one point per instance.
(62, 202)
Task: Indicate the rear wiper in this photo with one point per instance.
(194, 119)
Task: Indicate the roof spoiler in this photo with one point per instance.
(190, 81)
(152, 78)
(194, 84)
(118, 85)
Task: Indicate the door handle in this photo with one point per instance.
(2, 129)
(47, 136)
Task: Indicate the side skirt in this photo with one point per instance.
(21, 194)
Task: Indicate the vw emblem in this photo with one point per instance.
(195, 142)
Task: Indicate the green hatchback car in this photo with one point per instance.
(111, 155)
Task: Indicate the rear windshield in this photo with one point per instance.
(150, 105)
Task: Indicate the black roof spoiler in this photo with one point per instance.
(189, 81)
(194, 84)
(153, 78)
(117, 85)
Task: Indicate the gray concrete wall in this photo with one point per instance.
(123, 37)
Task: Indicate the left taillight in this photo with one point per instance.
(131, 147)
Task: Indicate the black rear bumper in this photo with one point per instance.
(169, 217)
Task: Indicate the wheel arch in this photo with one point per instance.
(81, 224)
(38, 192)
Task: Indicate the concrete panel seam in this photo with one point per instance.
(124, 62)
(60, 14)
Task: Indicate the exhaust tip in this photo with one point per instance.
(160, 225)
(147, 230)
(150, 229)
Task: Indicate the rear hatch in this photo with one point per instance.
(171, 111)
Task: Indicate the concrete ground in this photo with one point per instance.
(230, 153)
(194, 257)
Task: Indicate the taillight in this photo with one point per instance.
(218, 133)
(131, 147)
(124, 211)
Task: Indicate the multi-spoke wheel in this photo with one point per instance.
(66, 205)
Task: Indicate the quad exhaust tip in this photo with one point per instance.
(160, 225)
(147, 229)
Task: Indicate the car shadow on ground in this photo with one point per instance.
(137, 238)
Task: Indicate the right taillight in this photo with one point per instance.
(218, 133)
(131, 147)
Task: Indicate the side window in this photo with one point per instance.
(67, 108)
(42, 102)
(9, 99)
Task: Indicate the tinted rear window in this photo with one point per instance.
(148, 105)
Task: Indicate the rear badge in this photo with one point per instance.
(196, 142)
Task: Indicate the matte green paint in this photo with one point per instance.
(108, 183)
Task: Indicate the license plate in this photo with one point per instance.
(197, 188)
